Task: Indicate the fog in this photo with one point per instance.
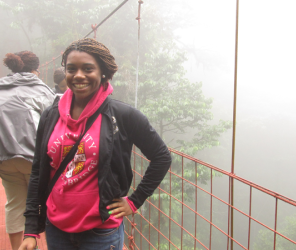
(265, 151)
(266, 136)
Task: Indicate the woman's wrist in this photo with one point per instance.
(37, 236)
(131, 204)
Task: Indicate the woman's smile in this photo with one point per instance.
(80, 85)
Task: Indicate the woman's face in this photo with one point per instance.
(83, 75)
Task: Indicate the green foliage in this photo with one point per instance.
(265, 238)
(174, 105)
(59, 23)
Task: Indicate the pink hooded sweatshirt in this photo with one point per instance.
(73, 205)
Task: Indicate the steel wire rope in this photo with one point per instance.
(104, 20)
(231, 179)
(138, 54)
(138, 18)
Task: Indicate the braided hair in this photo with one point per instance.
(99, 51)
(24, 61)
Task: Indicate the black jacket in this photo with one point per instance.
(122, 126)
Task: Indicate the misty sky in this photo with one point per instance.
(266, 105)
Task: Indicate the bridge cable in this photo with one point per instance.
(138, 54)
(93, 29)
(231, 184)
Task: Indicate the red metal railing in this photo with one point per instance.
(191, 210)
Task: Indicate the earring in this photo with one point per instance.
(103, 76)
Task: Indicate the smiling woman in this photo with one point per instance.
(90, 180)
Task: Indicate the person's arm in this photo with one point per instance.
(152, 146)
(32, 203)
(144, 136)
(28, 244)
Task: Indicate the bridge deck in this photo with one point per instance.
(4, 239)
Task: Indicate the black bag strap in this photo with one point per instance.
(73, 150)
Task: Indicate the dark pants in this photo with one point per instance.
(95, 239)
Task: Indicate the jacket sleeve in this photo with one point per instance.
(32, 203)
(152, 146)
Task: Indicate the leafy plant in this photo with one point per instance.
(265, 239)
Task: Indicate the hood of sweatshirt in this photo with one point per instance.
(92, 106)
(20, 79)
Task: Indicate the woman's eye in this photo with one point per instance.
(88, 69)
(70, 69)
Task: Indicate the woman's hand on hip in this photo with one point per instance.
(28, 244)
(120, 208)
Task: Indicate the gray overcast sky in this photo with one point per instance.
(266, 82)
